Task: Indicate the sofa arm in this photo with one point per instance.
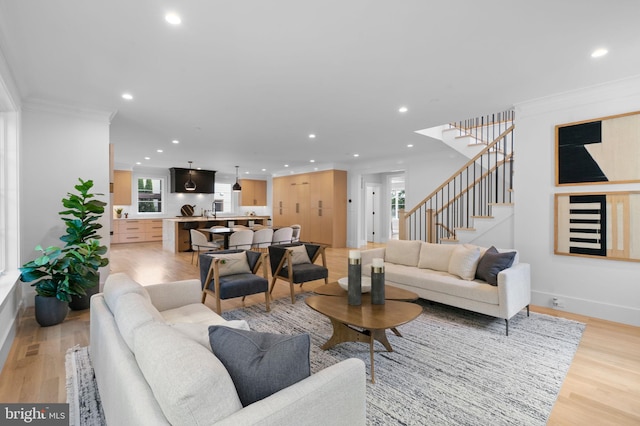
(175, 294)
(368, 255)
(514, 289)
(335, 395)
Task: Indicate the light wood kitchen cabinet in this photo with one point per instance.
(122, 187)
(136, 230)
(317, 202)
(254, 192)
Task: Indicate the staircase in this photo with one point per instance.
(477, 197)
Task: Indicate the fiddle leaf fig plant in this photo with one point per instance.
(82, 214)
(70, 270)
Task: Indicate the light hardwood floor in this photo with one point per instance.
(602, 386)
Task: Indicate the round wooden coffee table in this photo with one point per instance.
(363, 323)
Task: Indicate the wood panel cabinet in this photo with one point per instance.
(122, 187)
(136, 230)
(317, 202)
(254, 192)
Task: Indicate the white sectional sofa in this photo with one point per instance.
(446, 273)
(153, 366)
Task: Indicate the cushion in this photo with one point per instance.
(232, 263)
(269, 362)
(191, 385)
(299, 255)
(200, 332)
(119, 284)
(464, 261)
(132, 311)
(403, 252)
(492, 263)
(436, 256)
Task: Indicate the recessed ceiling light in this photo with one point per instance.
(312, 136)
(138, 163)
(175, 141)
(159, 150)
(286, 165)
(410, 145)
(403, 109)
(147, 158)
(264, 170)
(312, 161)
(198, 168)
(173, 18)
(127, 96)
(599, 53)
(356, 155)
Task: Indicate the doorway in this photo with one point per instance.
(397, 189)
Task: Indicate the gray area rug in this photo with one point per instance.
(451, 367)
(82, 390)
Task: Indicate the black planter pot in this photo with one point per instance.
(79, 303)
(50, 311)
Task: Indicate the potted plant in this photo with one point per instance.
(81, 217)
(119, 212)
(68, 276)
(56, 276)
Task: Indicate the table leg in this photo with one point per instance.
(226, 241)
(373, 372)
(396, 332)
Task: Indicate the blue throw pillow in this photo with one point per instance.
(260, 364)
(492, 263)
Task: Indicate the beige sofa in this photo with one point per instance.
(446, 273)
(154, 366)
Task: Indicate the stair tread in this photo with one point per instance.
(482, 217)
(451, 240)
(465, 229)
(501, 204)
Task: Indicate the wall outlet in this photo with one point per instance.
(557, 303)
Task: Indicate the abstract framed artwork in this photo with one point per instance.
(599, 151)
(605, 225)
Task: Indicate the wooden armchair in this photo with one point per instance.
(295, 263)
(227, 274)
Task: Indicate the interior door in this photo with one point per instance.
(372, 216)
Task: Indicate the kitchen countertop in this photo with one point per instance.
(210, 219)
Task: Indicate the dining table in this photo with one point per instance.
(225, 232)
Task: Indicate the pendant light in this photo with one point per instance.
(236, 186)
(190, 185)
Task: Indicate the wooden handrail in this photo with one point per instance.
(462, 169)
(477, 181)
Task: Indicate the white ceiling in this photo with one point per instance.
(244, 82)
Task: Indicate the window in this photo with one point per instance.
(397, 202)
(223, 193)
(150, 191)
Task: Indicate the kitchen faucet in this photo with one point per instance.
(213, 208)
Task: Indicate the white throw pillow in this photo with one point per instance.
(232, 263)
(403, 252)
(464, 261)
(436, 256)
(189, 382)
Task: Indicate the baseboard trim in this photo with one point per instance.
(606, 311)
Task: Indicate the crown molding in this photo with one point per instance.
(612, 90)
(43, 105)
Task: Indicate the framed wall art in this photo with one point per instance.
(599, 151)
(604, 225)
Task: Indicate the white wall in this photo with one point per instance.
(58, 146)
(423, 173)
(595, 287)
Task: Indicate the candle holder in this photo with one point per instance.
(355, 278)
(377, 282)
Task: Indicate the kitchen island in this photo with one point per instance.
(175, 231)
